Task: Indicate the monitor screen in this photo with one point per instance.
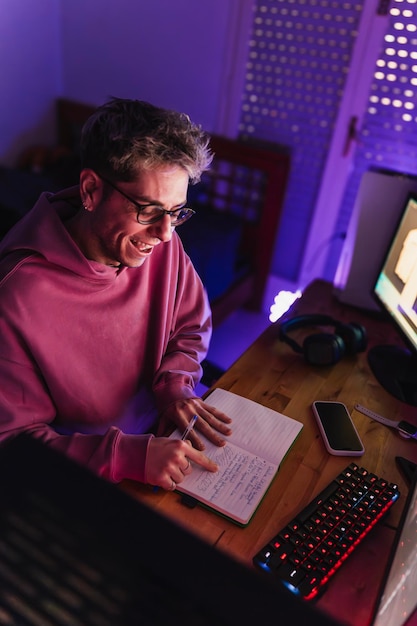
(395, 290)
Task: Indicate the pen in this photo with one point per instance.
(189, 427)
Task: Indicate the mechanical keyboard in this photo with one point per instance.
(306, 553)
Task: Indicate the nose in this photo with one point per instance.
(162, 229)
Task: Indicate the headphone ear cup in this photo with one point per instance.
(354, 336)
(323, 349)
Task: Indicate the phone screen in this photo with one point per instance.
(338, 426)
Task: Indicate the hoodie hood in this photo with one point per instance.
(42, 231)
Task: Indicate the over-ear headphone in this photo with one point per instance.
(325, 348)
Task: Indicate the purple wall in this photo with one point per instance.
(170, 53)
(185, 55)
(30, 67)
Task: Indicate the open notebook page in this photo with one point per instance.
(247, 463)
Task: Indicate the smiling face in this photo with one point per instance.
(108, 231)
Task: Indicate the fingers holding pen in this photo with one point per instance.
(177, 474)
(170, 460)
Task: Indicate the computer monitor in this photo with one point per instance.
(379, 201)
(76, 549)
(395, 290)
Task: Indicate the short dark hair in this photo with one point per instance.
(123, 136)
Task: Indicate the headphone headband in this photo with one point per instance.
(301, 321)
(324, 348)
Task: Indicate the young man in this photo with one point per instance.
(103, 319)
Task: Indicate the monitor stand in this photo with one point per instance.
(395, 369)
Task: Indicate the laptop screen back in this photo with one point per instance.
(398, 599)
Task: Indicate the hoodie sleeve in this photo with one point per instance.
(26, 406)
(180, 369)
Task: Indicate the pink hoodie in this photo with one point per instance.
(89, 353)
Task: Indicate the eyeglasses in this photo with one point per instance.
(151, 213)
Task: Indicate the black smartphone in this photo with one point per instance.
(337, 429)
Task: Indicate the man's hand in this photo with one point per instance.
(169, 460)
(210, 421)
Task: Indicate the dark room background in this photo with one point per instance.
(335, 81)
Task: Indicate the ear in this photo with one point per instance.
(91, 189)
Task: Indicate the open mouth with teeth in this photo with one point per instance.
(141, 247)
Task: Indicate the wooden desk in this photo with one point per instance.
(269, 372)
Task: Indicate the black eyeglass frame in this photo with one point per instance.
(140, 207)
